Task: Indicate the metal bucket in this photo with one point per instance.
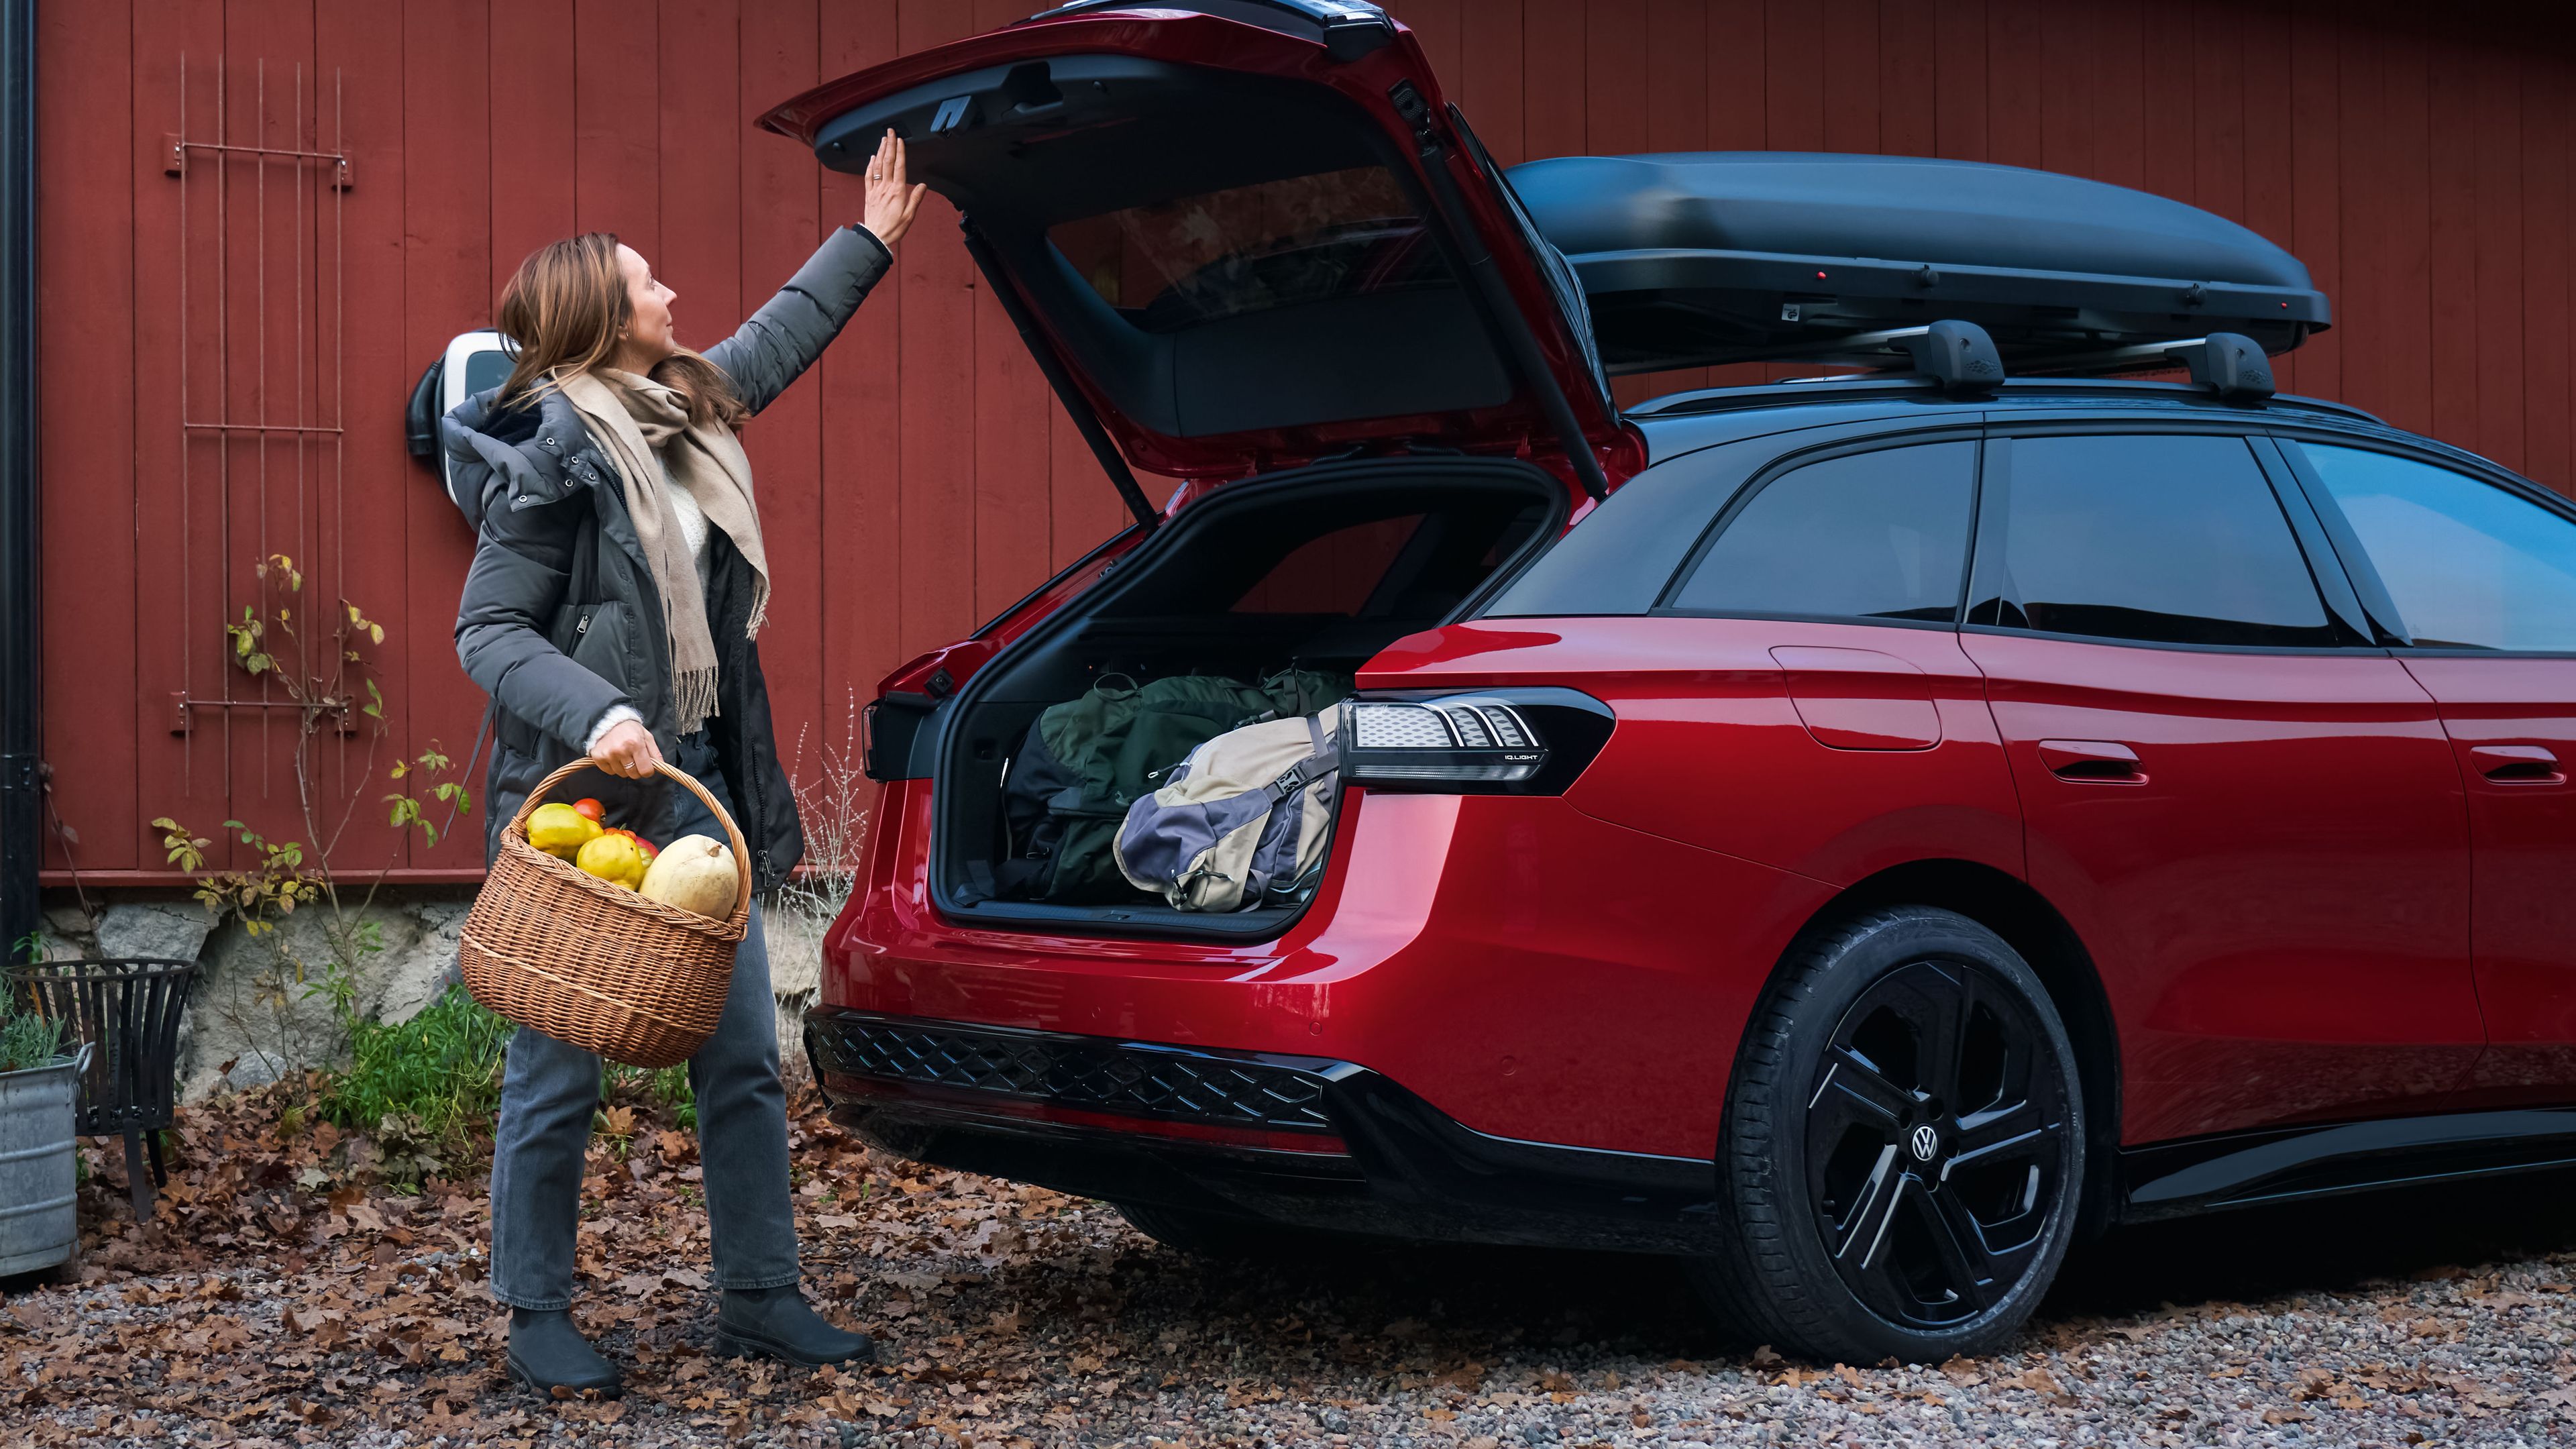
(39, 1227)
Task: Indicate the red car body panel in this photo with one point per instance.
(1433, 954)
(2512, 723)
(1778, 794)
(2277, 904)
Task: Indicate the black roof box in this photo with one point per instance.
(1734, 256)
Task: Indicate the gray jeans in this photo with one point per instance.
(549, 1092)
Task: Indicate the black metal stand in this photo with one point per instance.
(129, 1012)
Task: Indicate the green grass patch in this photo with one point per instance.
(441, 1070)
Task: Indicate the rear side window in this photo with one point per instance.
(1333, 574)
(2159, 538)
(1876, 535)
(2468, 564)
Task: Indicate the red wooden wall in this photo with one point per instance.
(922, 477)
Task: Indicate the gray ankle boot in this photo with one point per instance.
(778, 1323)
(547, 1352)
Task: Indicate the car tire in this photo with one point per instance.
(1902, 1157)
(1213, 1235)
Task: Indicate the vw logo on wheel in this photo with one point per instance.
(1925, 1141)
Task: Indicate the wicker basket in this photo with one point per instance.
(594, 964)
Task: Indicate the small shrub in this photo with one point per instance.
(27, 1040)
(440, 1070)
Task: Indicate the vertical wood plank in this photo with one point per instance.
(1013, 534)
(2405, 333)
(2316, 181)
(1489, 89)
(85, 127)
(2119, 115)
(533, 171)
(1739, 75)
(2165, 74)
(937, 386)
(2070, 87)
(862, 420)
(2546, 82)
(1909, 91)
(617, 181)
(1793, 50)
(1616, 78)
(1676, 75)
(2015, 66)
(2218, 110)
(179, 578)
(446, 191)
(778, 217)
(697, 111)
(1852, 103)
(2454, 79)
(2503, 303)
(1959, 48)
(1553, 75)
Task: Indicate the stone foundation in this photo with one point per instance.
(253, 1013)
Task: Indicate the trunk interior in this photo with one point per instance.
(1315, 570)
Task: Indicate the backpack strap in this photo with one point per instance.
(1326, 760)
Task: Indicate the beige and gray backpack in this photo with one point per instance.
(1241, 822)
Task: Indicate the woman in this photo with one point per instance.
(618, 585)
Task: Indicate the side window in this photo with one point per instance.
(1333, 574)
(2161, 538)
(1877, 535)
(2468, 564)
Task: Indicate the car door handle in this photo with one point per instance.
(2096, 762)
(2518, 764)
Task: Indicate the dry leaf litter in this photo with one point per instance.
(286, 1295)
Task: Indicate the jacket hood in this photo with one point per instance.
(536, 452)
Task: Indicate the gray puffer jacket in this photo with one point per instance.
(561, 620)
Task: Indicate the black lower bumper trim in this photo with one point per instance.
(1372, 1158)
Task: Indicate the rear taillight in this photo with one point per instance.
(1511, 741)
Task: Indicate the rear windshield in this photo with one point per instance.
(1253, 248)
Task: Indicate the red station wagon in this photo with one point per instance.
(1856, 836)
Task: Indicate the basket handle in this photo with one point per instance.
(724, 817)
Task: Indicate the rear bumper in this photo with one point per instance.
(1305, 1141)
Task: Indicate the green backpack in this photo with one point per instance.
(1086, 760)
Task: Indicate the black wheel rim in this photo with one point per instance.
(1937, 1143)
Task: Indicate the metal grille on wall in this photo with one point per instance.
(238, 441)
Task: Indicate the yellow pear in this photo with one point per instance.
(613, 857)
(560, 830)
(694, 873)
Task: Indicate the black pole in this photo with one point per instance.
(22, 801)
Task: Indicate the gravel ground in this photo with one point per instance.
(1012, 1317)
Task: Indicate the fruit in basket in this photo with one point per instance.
(695, 874)
(611, 855)
(560, 830)
(589, 808)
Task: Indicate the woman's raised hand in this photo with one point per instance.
(890, 201)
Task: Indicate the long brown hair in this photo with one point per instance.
(563, 310)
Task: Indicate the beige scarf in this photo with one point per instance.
(643, 427)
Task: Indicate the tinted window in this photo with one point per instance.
(1196, 259)
(2170, 539)
(1879, 535)
(1334, 574)
(2468, 564)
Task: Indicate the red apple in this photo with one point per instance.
(591, 808)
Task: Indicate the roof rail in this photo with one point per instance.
(2229, 364)
(1695, 401)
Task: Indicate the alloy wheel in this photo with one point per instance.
(1936, 1142)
